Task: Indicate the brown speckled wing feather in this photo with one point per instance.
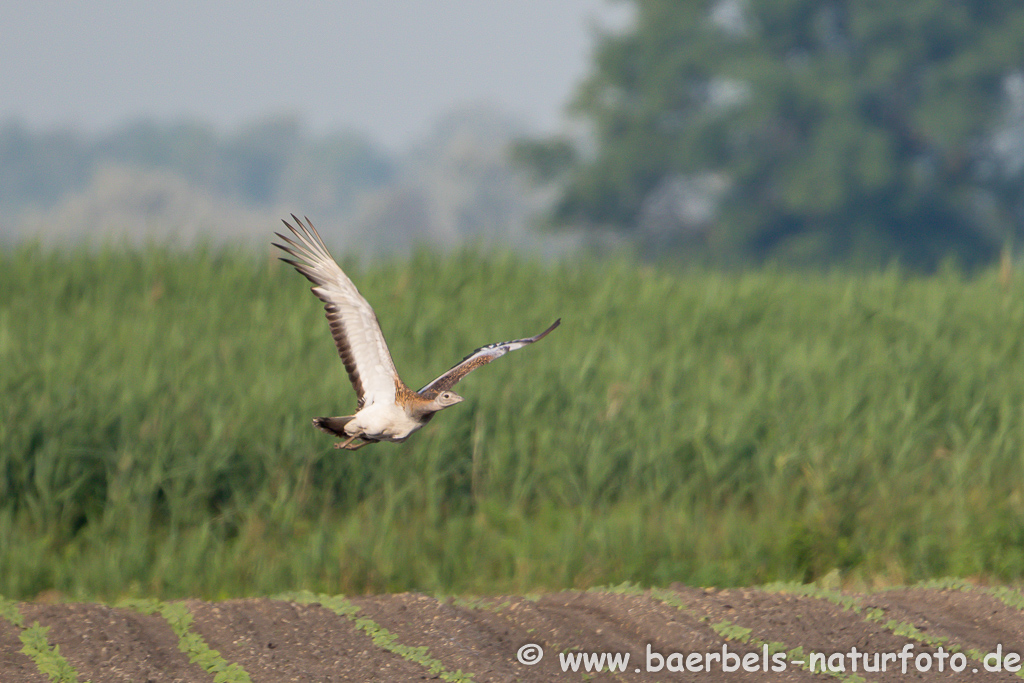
(480, 357)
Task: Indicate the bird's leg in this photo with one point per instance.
(345, 444)
(356, 448)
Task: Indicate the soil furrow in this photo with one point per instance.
(821, 626)
(476, 642)
(111, 644)
(973, 619)
(547, 626)
(278, 641)
(639, 620)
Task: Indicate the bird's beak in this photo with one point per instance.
(458, 399)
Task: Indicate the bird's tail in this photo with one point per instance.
(333, 425)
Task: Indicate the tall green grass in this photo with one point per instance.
(699, 426)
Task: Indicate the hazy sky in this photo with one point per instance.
(387, 67)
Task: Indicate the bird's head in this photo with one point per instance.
(446, 399)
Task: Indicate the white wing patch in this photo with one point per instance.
(353, 323)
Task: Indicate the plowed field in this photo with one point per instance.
(669, 634)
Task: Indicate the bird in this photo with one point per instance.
(387, 409)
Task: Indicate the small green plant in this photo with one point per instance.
(1009, 596)
(846, 602)
(9, 611)
(730, 631)
(945, 584)
(47, 657)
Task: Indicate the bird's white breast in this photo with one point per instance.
(383, 422)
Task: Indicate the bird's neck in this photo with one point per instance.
(416, 406)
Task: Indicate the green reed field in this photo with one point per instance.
(705, 427)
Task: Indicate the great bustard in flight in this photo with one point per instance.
(388, 410)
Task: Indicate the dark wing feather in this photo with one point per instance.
(482, 356)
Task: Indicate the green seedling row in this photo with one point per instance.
(382, 637)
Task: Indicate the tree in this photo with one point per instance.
(818, 131)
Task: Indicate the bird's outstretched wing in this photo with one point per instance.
(482, 356)
(354, 325)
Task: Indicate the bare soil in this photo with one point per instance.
(276, 640)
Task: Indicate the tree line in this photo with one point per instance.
(800, 131)
(259, 164)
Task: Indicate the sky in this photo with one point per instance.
(388, 68)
